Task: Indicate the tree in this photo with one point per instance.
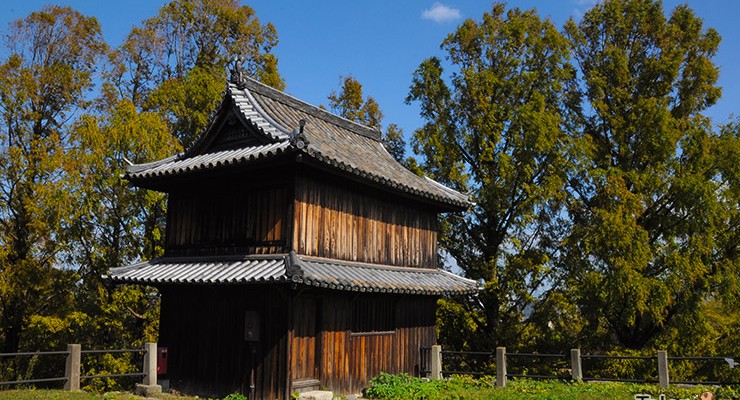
(44, 81)
(176, 62)
(66, 216)
(653, 208)
(497, 128)
(159, 89)
(395, 144)
(350, 103)
(113, 225)
(111, 218)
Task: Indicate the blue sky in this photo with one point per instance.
(381, 42)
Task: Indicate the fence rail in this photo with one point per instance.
(34, 353)
(73, 364)
(566, 366)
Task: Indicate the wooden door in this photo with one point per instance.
(372, 338)
(303, 345)
(371, 354)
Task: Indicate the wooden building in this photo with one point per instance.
(299, 255)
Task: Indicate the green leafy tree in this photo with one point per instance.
(654, 203)
(176, 62)
(350, 103)
(497, 128)
(111, 218)
(66, 217)
(160, 86)
(44, 80)
(113, 226)
(395, 143)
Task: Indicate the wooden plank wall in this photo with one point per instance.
(334, 357)
(347, 360)
(347, 223)
(371, 355)
(417, 327)
(303, 339)
(203, 328)
(244, 222)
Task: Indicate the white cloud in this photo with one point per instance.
(441, 13)
(581, 7)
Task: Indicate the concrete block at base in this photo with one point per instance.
(316, 395)
(147, 390)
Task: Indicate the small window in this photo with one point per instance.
(373, 315)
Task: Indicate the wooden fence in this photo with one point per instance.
(563, 366)
(73, 365)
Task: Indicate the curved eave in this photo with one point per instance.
(211, 161)
(301, 270)
(455, 200)
(373, 278)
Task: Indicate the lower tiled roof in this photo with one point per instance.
(181, 270)
(317, 272)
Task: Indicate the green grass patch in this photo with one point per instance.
(42, 394)
(397, 387)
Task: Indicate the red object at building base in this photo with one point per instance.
(161, 361)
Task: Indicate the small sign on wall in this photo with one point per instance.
(252, 326)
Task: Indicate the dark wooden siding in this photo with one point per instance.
(203, 328)
(303, 339)
(416, 316)
(349, 223)
(334, 359)
(241, 222)
(348, 360)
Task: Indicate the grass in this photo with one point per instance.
(397, 387)
(42, 394)
(404, 387)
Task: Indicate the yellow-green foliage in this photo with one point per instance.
(605, 201)
(404, 387)
(496, 129)
(67, 217)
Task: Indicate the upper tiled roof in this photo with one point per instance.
(310, 271)
(328, 139)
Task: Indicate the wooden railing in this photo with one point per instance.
(72, 376)
(553, 366)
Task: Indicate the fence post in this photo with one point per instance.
(663, 368)
(575, 365)
(500, 366)
(149, 383)
(436, 356)
(72, 367)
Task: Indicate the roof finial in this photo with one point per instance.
(237, 72)
(297, 138)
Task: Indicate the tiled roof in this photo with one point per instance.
(323, 273)
(179, 165)
(222, 270)
(328, 139)
(334, 274)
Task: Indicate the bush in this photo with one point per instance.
(402, 386)
(405, 387)
(235, 396)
